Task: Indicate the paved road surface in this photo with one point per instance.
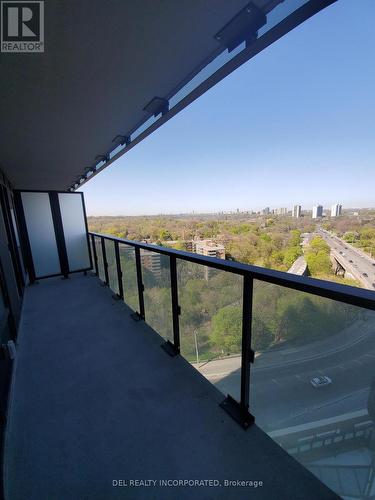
(281, 394)
(352, 258)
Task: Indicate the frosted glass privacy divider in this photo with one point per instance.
(74, 225)
(41, 232)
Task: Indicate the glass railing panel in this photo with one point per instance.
(157, 293)
(129, 276)
(112, 267)
(211, 323)
(312, 383)
(99, 254)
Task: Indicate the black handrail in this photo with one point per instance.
(335, 291)
(328, 289)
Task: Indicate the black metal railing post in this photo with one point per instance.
(247, 352)
(140, 283)
(174, 349)
(239, 411)
(105, 263)
(119, 271)
(93, 244)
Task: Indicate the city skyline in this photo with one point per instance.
(269, 210)
(230, 150)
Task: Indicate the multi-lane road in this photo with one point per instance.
(353, 260)
(281, 391)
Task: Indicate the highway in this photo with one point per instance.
(281, 393)
(353, 260)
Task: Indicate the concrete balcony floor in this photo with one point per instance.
(95, 399)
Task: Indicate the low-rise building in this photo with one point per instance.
(151, 261)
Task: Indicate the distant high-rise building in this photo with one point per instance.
(336, 210)
(266, 211)
(281, 211)
(297, 211)
(317, 211)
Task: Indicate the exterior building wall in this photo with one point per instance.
(317, 211)
(336, 210)
(297, 211)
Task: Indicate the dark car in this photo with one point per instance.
(373, 264)
(350, 261)
(365, 275)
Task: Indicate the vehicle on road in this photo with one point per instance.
(365, 275)
(350, 260)
(373, 264)
(320, 381)
(373, 285)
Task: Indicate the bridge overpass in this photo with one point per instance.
(299, 266)
(353, 261)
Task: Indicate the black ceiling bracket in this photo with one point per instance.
(104, 158)
(124, 139)
(157, 106)
(88, 170)
(243, 27)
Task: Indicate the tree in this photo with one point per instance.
(291, 254)
(295, 238)
(227, 329)
(165, 235)
(317, 257)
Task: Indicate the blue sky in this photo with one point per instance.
(293, 125)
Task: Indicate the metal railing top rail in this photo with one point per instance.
(343, 293)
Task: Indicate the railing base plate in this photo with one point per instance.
(235, 410)
(170, 349)
(136, 316)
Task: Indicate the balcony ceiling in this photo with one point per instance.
(103, 62)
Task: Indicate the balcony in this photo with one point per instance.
(124, 394)
(128, 368)
(95, 400)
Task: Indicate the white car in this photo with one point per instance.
(320, 381)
